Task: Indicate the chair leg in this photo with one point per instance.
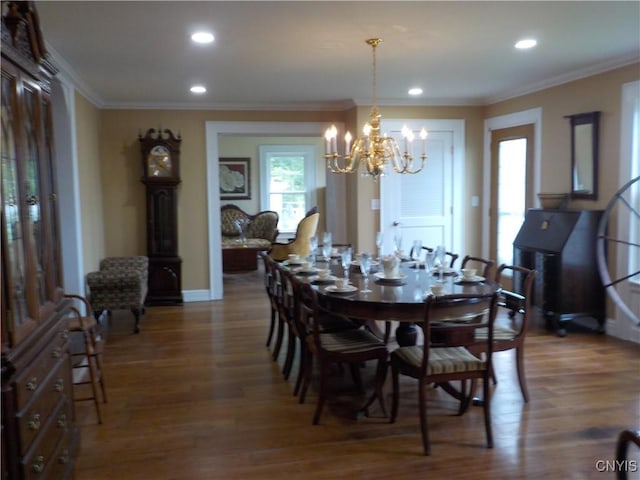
(322, 392)
(521, 377)
(272, 324)
(308, 370)
(422, 394)
(279, 338)
(395, 398)
(301, 368)
(291, 352)
(381, 374)
(98, 360)
(487, 410)
(357, 378)
(136, 315)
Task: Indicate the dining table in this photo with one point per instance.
(400, 299)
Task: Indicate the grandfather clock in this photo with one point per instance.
(161, 176)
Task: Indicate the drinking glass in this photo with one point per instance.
(440, 256)
(416, 251)
(429, 260)
(327, 245)
(313, 246)
(346, 261)
(379, 241)
(397, 241)
(365, 268)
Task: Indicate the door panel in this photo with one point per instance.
(507, 214)
(420, 205)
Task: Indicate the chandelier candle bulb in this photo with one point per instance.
(347, 142)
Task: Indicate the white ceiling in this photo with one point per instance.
(312, 54)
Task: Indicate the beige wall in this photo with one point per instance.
(114, 224)
(90, 174)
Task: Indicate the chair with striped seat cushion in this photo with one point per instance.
(516, 301)
(445, 356)
(352, 346)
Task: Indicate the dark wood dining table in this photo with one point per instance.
(400, 301)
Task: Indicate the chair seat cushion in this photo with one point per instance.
(350, 341)
(499, 333)
(441, 360)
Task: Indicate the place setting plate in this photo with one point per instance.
(381, 278)
(303, 272)
(322, 280)
(469, 281)
(346, 289)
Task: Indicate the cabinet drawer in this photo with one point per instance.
(32, 418)
(63, 459)
(47, 449)
(31, 379)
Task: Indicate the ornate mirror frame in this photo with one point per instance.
(584, 155)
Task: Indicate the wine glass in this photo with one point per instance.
(327, 245)
(397, 241)
(313, 246)
(346, 261)
(365, 268)
(416, 252)
(379, 241)
(440, 256)
(429, 260)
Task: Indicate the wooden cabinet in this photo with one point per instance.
(561, 246)
(38, 431)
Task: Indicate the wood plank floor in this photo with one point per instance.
(196, 396)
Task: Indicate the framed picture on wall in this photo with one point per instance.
(235, 178)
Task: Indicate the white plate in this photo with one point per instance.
(293, 263)
(302, 271)
(329, 279)
(356, 263)
(381, 276)
(475, 279)
(335, 289)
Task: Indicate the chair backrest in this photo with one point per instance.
(453, 256)
(485, 267)
(517, 299)
(309, 312)
(307, 228)
(452, 320)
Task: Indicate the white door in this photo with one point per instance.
(420, 206)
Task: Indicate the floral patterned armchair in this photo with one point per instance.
(239, 227)
(120, 284)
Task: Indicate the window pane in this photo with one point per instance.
(512, 157)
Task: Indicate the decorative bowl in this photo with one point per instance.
(553, 201)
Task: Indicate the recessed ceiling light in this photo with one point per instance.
(526, 43)
(202, 37)
(415, 91)
(198, 89)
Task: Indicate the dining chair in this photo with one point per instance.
(271, 294)
(448, 328)
(353, 347)
(452, 256)
(87, 360)
(288, 307)
(517, 303)
(274, 296)
(486, 266)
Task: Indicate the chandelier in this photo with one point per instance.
(371, 148)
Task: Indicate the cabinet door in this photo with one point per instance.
(18, 322)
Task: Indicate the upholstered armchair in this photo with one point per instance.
(120, 284)
(300, 244)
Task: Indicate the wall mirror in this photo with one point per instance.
(584, 155)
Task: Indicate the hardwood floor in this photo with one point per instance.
(196, 396)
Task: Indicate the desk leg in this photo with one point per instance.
(407, 334)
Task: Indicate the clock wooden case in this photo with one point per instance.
(161, 176)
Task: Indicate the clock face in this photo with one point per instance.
(159, 162)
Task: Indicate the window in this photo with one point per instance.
(287, 179)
